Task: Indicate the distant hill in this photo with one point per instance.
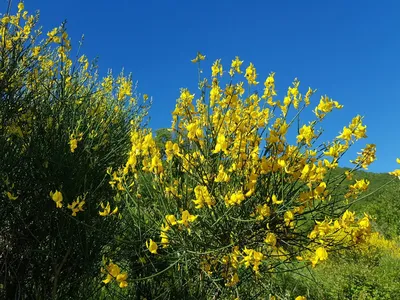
(384, 204)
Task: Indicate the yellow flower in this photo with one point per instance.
(194, 130)
(125, 88)
(301, 298)
(364, 223)
(202, 197)
(164, 236)
(52, 33)
(346, 134)
(358, 187)
(107, 210)
(20, 6)
(275, 200)
(113, 271)
(321, 253)
(76, 206)
(73, 142)
(395, 173)
(35, 51)
(221, 144)
(251, 74)
(186, 218)
(11, 196)
(198, 58)
(233, 280)
(347, 218)
(270, 239)
(234, 199)
(320, 191)
(235, 66)
(57, 198)
(261, 212)
(222, 175)
(171, 220)
(216, 68)
(366, 157)
(152, 246)
(325, 106)
(306, 134)
(121, 278)
(288, 218)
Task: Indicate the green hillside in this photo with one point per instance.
(349, 275)
(381, 201)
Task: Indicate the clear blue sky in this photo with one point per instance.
(349, 50)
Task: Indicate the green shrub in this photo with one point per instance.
(61, 127)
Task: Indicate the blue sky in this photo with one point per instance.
(349, 50)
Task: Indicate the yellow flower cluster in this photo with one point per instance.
(375, 241)
(397, 171)
(356, 188)
(203, 197)
(170, 221)
(144, 147)
(107, 210)
(73, 141)
(77, 205)
(355, 131)
(113, 272)
(366, 156)
(325, 106)
(347, 229)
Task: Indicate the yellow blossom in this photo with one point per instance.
(113, 272)
(203, 197)
(234, 199)
(57, 198)
(270, 239)
(186, 218)
(73, 142)
(221, 144)
(306, 134)
(261, 212)
(171, 220)
(325, 106)
(235, 66)
(76, 206)
(288, 218)
(216, 68)
(107, 210)
(395, 173)
(11, 196)
(198, 57)
(152, 246)
(251, 74)
(275, 200)
(346, 134)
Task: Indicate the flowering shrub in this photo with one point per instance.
(229, 199)
(61, 127)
